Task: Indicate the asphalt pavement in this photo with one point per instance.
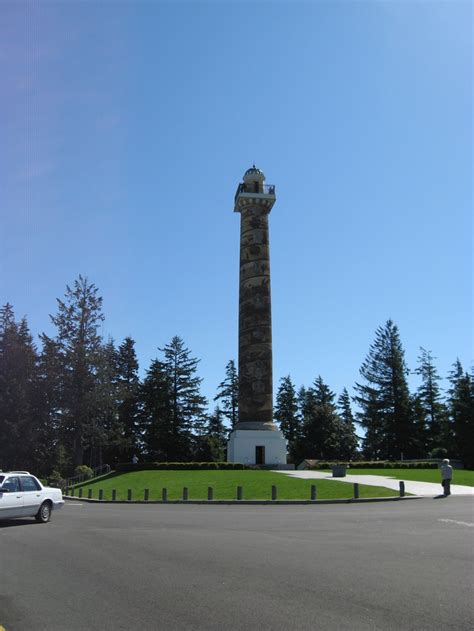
(387, 566)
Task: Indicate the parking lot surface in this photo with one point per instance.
(395, 565)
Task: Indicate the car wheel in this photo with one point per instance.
(44, 513)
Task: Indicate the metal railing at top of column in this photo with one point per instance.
(249, 189)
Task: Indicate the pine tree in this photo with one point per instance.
(300, 449)
(349, 440)
(431, 412)
(77, 321)
(18, 379)
(173, 401)
(228, 393)
(302, 399)
(287, 415)
(215, 426)
(461, 410)
(105, 436)
(211, 446)
(420, 432)
(159, 437)
(128, 400)
(323, 431)
(50, 453)
(384, 400)
(188, 405)
(372, 420)
(7, 319)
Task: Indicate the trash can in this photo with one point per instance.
(339, 471)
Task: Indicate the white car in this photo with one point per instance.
(23, 495)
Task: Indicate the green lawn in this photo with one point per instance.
(460, 476)
(256, 485)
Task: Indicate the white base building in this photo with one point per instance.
(263, 447)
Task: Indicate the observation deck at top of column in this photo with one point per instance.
(254, 192)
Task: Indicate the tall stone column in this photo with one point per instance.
(255, 439)
(255, 309)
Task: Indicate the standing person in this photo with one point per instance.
(446, 476)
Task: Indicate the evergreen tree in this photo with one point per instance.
(384, 400)
(349, 442)
(302, 400)
(429, 409)
(159, 436)
(188, 405)
(173, 401)
(18, 379)
(372, 420)
(228, 394)
(461, 410)
(79, 344)
(420, 432)
(300, 450)
(50, 453)
(323, 431)
(7, 320)
(128, 400)
(287, 415)
(215, 426)
(211, 446)
(105, 436)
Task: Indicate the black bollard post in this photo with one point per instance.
(164, 495)
(80, 492)
(240, 493)
(210, 493)
(146, 495)
(114, 495)
(356, 490)
(274, 493)
(72, 492)
(313, 492)
(129, 495)
(402, 489)
(89, 494)
(185, 493)
(101, 494)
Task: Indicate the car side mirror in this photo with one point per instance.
(4, 490)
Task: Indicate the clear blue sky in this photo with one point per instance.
(126, 127)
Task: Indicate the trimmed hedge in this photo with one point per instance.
(177, 466)
(206, 466)
(376, 464)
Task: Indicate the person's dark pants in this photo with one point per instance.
(447, 487)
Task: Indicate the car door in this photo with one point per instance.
(32, 495)
(11, 503)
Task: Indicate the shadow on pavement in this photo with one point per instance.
(4, 523)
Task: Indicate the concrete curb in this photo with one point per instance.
(363, 500)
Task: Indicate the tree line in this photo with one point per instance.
(79, 400)
(398, 424)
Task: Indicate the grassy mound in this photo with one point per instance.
(257, 485)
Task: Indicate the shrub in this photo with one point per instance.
(56, 480)
(85, 471)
